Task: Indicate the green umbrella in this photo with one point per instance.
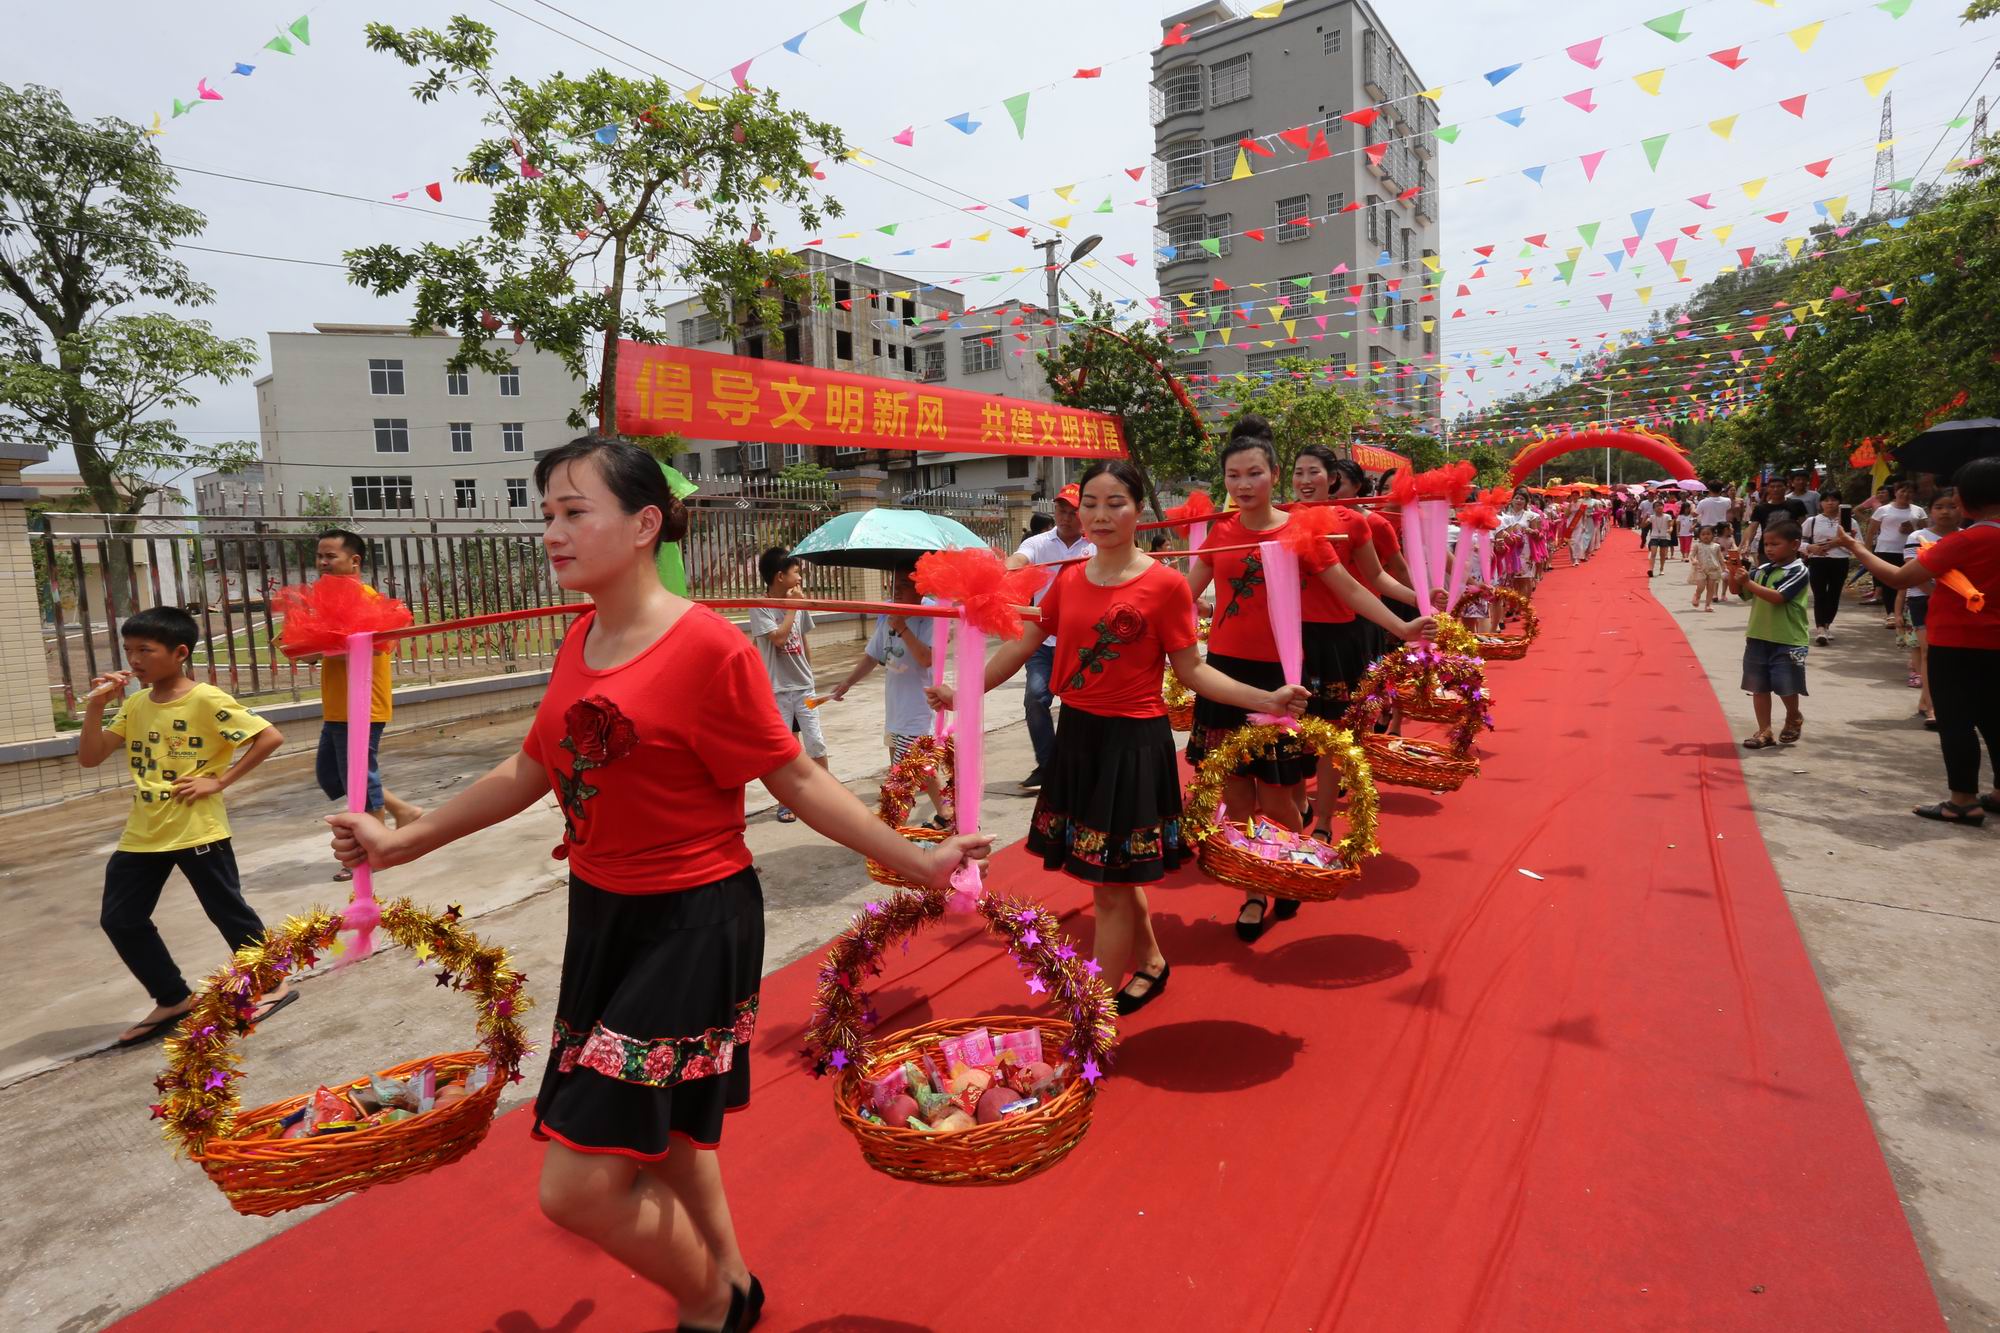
(883, 538)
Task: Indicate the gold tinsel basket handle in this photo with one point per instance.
(198, 1100)
(839, 1036)
(1531, 624)
(1416, 671)
(926, 755)
(1204, 794)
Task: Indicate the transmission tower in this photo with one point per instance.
(1978, 134)
(1885, 151)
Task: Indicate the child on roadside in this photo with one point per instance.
(1660, 540)
(902, 645)
(1684, 528)
(781, 641)
(178, 737)
(1774, 648)
(1705, 572)
(339, 555)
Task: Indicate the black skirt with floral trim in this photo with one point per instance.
(1110, 807)
(1336, 656)
(655, 1016)
(1280, 764)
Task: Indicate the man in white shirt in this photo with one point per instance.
(1065, 541)
(1645, 522)
(1712, 510)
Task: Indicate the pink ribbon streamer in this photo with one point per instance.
(1437, 544)
(1281, 600)
(1461, 562)
(361, 914)
(1197, 534)
(1413, 555)
(969, 760)
(940, 650)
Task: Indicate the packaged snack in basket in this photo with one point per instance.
(914, 1077)
(1023, 1047)
(1015, 1108)
(889, 1087)
(479, 1078)
(328, 1108)
(393, 1092)
(292, 1126)
(932, 1076)
(930, 1104)
(425, 1083)
(974, 1048)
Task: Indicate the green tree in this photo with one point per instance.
(804, 474)
(1303, 405)
(581, 244)
(88, 224)
(1124, 371)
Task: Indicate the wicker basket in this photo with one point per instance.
(1004, 1151)
(1506, 647)
(1283, 879)
(899, 793)
(1433, 706)
(1409, 761)
(260, 1174)
(997, 1154)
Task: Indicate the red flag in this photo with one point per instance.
(1795, 105)
(1819, 168)
(1733, 58)
(1257, 146)
(1317, 148)
(1298, 136)
(1176, 36)
(1376, 152)
(1364, 117)
(1254, 233)
(1090, 73)
(435, 191)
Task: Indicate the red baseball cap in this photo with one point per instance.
(1071, 495)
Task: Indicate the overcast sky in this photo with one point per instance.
(335, 117)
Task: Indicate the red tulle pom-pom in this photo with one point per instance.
(1403, 488)
(1198, 506)
(1449, 484)
(980, 583)
(1305, 536)
(1496, 496)
(320, 615)
(1481, 516)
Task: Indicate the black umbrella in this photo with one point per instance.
(1948, 446)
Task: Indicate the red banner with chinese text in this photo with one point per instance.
(1377, 459)
(710, 396)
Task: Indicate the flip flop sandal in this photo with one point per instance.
(276, 1005)
(1790, 735)
(149, 1032)
(786, 816)
(1761, 741)
(1988, 803)
(1962, 814)
(1916, 682)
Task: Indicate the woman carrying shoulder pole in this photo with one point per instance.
(1242, 646)
(665, 949)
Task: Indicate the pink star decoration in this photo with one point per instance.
(1035, 986)
(1091, 1073)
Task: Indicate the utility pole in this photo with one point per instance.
(1053, 275)
(1885, 152)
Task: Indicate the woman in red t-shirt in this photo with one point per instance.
(666, 928)
(1109, 812)
(1964, 643)
(1241, 644)
(1339, 645)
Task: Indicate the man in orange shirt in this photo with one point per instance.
(339, 555)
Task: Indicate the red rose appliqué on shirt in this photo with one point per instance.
(597, 734)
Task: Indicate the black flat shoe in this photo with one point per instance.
(732, 1324)
(1285, 910)
(1128, 1003)
(753, 1304)
(1250, 931)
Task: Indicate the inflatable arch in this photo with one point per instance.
(1658, 448)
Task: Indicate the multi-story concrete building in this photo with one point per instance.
(1304, 211)
(874, 321)
(368, 415)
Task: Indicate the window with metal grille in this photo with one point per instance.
(1293, 218)
(753, 457)
(510, 382)
(1329, 42)
(933, 362)
(1185, 233)
(1264, 363)
(458, 383)
(1229, 80)
(517, 487)
(1375, 219)
(380, 493)
(465, 492)
(513, 438)
(385, 377)
(1180, 91)
(1226, 149)
(707, 329)
(461, 437)
(1335, 202)
(1184, 162)
(978, 354)
(687, 333)
(794, 453)
(392, 435)
(1220, 225)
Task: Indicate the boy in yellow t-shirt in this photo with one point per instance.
(177, 737)
(339, 555)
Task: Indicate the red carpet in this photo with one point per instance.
(1608, 1098)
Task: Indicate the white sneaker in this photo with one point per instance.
(1822, 638)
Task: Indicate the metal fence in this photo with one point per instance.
(95, 570)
